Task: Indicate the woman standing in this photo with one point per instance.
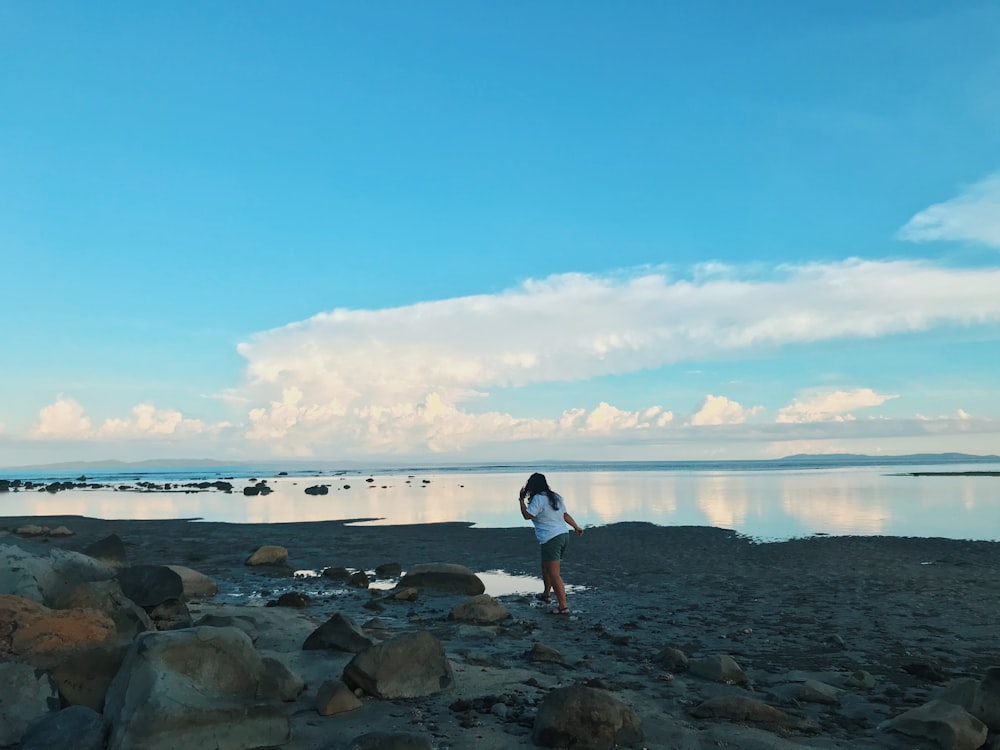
(547, 511)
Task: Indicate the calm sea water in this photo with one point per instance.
(765, 501)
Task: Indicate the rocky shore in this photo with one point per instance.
(326, 635)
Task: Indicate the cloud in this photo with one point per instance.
(830, 406)
(720, 410)
(65, 419)
(413, 378)
(971, 216)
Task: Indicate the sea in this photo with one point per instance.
(948, 496)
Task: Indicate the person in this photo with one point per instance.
(547, 511)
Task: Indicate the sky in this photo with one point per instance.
(483, 232)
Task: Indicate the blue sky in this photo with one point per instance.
(470, 231)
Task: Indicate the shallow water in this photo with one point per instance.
(768, 505)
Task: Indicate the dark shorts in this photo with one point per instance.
(555, 548)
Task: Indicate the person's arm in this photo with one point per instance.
(524, 510)
(569, 519)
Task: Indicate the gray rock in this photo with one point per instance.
(719, 668)
(408, 666)
(482, 609)
(28, 695)
(195, 585)
(949, 726)
(539, 652)
(46, 574)
(456, 579)
(278, 682)
(73, 728)
(339, 633)
(244, 622)
(741, 708)
(268, 554)
(109, 550)
(390, 741)
(986, 700)
(107, 596)
(673, 659)
(195, 689)
(334, 697)
(83, 676)
(150, 585)
(388, 570)
(172, 614)
(814, 691)
(583, 717)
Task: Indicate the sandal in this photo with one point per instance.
(560, 611)
(543, 598)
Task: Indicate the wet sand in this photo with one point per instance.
(913, 613)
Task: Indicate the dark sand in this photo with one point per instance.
(914, 613)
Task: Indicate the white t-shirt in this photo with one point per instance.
(548, 523)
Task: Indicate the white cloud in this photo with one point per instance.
(720, 410)
(64, 418)
(409, 378)
(973, 216)
(830, 406)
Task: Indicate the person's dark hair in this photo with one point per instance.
(537, 485)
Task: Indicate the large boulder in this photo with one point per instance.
(268, 554)
(150, 585)
(46, 574)
(743, 709)
(585, 718)
(109, 550)
(447, 577)
(29, 629)
(481, 610)
(196, 689)
(73, 728)
(28, 695)
(83, 676)
(718, 668)
(949, 726)
(412, 665)
(340, 634)
(986, 699)
(195, 585)
(107, 596)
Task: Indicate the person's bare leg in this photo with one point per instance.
(551, 568)
(546, 581)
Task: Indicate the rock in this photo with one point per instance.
(390, 741)
(339, 633)
(672, 659)
(482, 609)
(740, 708)
(859, 678)
(73, 728)
(28, 695)
(407, 594)
(359, 580)
(244, 622)
(336, 574)
(32, 529)
(583, 717)
(926, 669)
(278, 682)
(293, 599)
(814, 691)
(150, 585)
(456, 579)
(719, 668)
(195, 585)
(388, 570)
(317, 489)
(986, 700)
(83, 677)
(28, 628)
(334, 697)
(408, 666)
(46, 574)
(60, 531)
(107, 596)
(949, 726)
(170, 615)
(268, 554)
(109, 550)
(539, 652)
(195, 688)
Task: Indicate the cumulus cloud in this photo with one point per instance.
(830, 406)
(720, 410)
(66, 419)
(972, 216)
(411, 378)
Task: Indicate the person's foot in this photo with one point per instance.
(560, 611)
(543, 597)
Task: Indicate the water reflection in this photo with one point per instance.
(762, 504)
